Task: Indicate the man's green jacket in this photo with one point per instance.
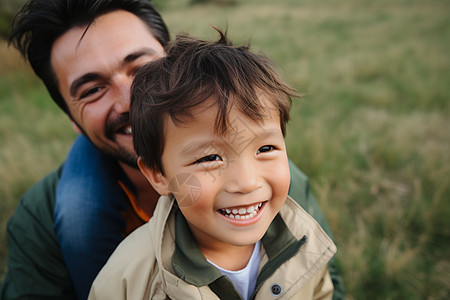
(36, 269)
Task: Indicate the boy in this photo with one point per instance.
(215, 116)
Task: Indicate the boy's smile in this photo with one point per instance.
(243, 175)
(242, 213)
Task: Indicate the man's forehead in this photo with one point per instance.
(118, 27)
(109, 41)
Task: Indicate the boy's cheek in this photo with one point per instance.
(186, 189)
(283, 179)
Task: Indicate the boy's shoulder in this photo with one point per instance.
(144, 242)
(136, 262)
(128, 268)
(298, 241)
(301, 223)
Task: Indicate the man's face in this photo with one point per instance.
(95, 72)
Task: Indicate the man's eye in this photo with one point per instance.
(135, 69)
(208, 158)
(90, 92)
(266, 148)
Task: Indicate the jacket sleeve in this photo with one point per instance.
(300, 191)
(36, 269)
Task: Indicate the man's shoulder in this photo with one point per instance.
(297, 173)
(299, 188)
(37, 205)
(39, 200)
(35, 263)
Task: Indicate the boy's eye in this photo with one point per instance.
(266, 148)
(208, 158)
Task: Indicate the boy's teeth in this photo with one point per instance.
(241, 213)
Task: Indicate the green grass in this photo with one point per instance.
(372, 131)
(35, 136)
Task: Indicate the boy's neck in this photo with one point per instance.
(146, 196)
(228, 257)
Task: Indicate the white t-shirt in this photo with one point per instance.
(244, 280)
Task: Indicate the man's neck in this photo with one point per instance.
(146, 196)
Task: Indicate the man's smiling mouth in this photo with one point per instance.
(118, 125)
(241, 213)
(125, 130)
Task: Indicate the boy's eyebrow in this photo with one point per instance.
(197, 146)
(215, 143)
(270, 132)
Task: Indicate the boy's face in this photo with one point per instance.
(230, 187)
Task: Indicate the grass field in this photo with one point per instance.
(372, 130)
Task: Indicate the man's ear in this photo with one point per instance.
(76, 127)
(156, 179)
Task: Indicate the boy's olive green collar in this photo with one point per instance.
(188, 261)
(191, 265)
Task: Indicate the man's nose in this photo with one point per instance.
(122, 87)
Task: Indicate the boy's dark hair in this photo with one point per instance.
(192, 71)
(40, 22)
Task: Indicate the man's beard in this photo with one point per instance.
(119, 153)
(122, 155)
(112, 126)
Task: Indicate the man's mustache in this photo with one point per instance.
(113, 126)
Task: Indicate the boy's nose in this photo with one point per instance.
(243, 178)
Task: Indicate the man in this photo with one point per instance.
(86, 52)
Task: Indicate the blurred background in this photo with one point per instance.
(372, 130)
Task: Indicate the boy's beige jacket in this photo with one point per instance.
(141, 266)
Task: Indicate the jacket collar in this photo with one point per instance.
(190, 264)
(188, 261)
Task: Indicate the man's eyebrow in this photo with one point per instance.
(135, 55)
(77, 83)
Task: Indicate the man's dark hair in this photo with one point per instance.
(193, 71)
(41, 22)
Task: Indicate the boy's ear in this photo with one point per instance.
(156, 179)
